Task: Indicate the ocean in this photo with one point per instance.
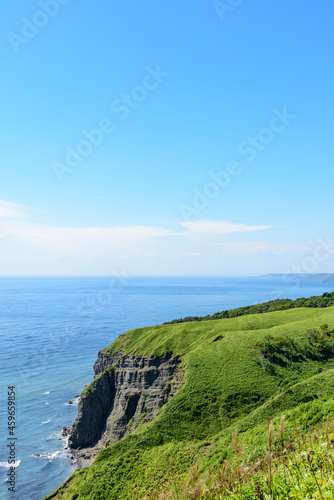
(51, 331)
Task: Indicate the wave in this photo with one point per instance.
(48, 392)
(63, 453)
(74, 402)
(47, 421)
(7, 465)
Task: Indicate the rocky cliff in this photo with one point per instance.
(126, 391)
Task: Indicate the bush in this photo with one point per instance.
(283, 351)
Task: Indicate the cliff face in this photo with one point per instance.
(126, 390)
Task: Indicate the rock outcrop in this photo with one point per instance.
(126, 390)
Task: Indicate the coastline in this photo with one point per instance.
(57, 360)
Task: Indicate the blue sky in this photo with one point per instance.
(181, 92)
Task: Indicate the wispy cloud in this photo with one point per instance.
(260, 248)
(197, 247)
(216, 227)
(99, 240)
(12, 210)
(105, 240)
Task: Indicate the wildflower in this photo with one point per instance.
(323, 444)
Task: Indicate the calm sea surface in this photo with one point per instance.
(51, 330)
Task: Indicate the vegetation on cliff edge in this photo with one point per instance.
(325, 300)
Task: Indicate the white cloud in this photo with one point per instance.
(216, 227)
(260, 248)
(105, 240)
(72, 240)
(12, 210)
(31, 248)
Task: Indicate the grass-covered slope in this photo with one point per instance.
(238, 374)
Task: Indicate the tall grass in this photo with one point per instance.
(295, 466)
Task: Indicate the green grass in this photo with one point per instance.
(295, 466)
(225, 389)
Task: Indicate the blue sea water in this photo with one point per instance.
(51, 330)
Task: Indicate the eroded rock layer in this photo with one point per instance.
(127, 390)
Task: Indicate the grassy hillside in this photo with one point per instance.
(239, 373)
